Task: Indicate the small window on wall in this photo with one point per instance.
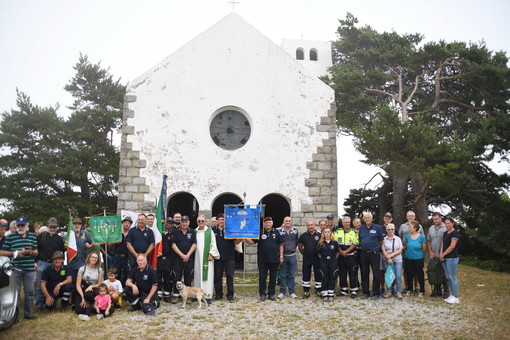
(313, 54)
(300, 54)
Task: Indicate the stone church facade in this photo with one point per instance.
(231, 117)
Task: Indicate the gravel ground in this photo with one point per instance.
(249, 318)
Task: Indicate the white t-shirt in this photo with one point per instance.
(91, 276)
(115, 285)
(389, 247)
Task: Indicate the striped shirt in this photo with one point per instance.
(15, 242)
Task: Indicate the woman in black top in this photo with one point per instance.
(450, 257)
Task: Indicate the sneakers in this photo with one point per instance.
(353, 295)
(306, 295)
(409, 292)
(84, 317)
(399, 296)
(262, 298)
(280, 296)
(365, 296)
(319, 293)
(387, 295)
(448, 298)
(100, 316)
(375, 297)
(272, 298)
(294, 296)
(452, 299)
(420, 294)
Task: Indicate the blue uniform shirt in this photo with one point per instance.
(369, 237)
(269, 246)
(140, 239)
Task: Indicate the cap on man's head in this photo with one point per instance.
(77, 220)
(148, 309)
(52, 221)
(388, 214)
(220, 215)
(3, 224)
(268, 218)
(169, 220)
(21, 220)
(330, 217)
(184, 218)
(127, 218)
(57, 255)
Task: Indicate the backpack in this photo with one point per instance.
(435, 272)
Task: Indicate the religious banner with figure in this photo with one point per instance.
(106, 229)
(242, 221)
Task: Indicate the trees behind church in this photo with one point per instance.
(50, 164)
(431, 115)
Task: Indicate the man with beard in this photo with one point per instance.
(47, 244)
(21, 247)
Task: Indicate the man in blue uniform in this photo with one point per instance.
(142, 284)
(56, 283)
(226, 262)
(270, 255)
(140, 240)
(184, 243)
(307, 245)
(371, 239)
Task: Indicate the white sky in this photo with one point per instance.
(40, 41)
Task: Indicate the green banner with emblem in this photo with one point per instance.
(106, 229)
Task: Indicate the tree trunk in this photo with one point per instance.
(382, 199)
(420, 203)
(399, 198)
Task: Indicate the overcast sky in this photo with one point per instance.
(41, 40)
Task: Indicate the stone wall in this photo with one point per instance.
(322, 187)
(132, 187)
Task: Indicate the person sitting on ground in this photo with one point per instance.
(56, 283)
(114, 287)
(103, 302)
(142, 285)
(89, 277)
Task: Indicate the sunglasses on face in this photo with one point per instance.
(200, 221)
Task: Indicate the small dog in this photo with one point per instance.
(191, 292)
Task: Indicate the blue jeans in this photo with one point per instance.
(28, 278)
(450, 269)
(398, 275)
(287, 274)
(40, 299)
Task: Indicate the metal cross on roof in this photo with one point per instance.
(233, 2)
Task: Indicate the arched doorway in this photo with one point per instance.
(186, 204)
(218, 206)
(276, 206)
(220, 201)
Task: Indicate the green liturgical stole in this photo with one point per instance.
(207, 248)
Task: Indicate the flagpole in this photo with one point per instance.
(105, 247)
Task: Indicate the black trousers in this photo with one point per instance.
(138, 299)
(64, 293)
(227, 267)
(165, 280)
(264, 268)
(329, 269)
(370, 259)
(87, 296)
(309, 264)
(347, 267)
(185, 269)
(415, 267)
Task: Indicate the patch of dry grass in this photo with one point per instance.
(482, 314)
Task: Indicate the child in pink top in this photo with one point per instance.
(103, 302)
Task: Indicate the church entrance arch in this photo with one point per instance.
(218, 206)
(277, 206)
(219, 202)
(186, 204)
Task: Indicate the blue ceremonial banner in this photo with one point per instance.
(242, 222)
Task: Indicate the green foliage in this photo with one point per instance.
(51, 164)
(434, 113)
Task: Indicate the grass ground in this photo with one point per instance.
(482, 314)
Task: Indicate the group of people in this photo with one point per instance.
(201, 257)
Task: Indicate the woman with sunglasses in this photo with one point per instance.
(392, 251)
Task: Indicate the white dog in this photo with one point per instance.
(191, 292)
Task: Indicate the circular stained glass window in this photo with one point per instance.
(230, 129)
